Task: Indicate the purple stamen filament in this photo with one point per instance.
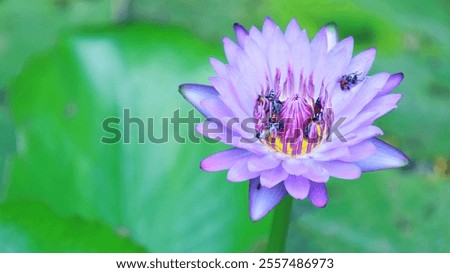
(294, 126)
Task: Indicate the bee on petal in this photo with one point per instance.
(349, 80)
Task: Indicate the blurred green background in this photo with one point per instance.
(66, 65)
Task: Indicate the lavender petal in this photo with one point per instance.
(195, 93)
(362, 62)
(262, 163)
(318, 194)
(315, 172)
(342, 170)
(332, 36)
(386, 157)
(270, 178)
(294, 167)
(393, 81)
(223, 160)
(268, 28)
(241, 33)
(240, 172)
(297, 186)
(292, 31)
(262, 200)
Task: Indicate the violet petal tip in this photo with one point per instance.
(386, 157)
(262, 200)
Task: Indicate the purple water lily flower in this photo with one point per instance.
(312, 107)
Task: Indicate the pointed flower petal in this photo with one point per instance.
(342, 170)
(195, 93)
(268, 28)
(362, 62)
(223, 160)
(360, 151)
(315, 172)
(270, 178)
(262, 163)
(319, 44)
(332, 36)
(339, 57)
(262, 200)
(386, 157)
(318, 194)
(297, 186)
(392, 82)
(294, 167)
(292, 31)
(241, 33)
(240, 172)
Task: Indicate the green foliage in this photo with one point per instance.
(33, 227)
(155, 192)
(7, 143)
(390, 211)
(27, 27)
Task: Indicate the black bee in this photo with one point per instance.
(271, 130)
(271, 96)
(272, 107)
(275, 127)
(263, 134)
(307, 132)
(318, 106)
(276, 106)
(262, 101)
(315, 119)
(348, 80)
(317, 111)
(307, 129)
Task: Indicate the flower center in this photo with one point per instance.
(294, 126)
